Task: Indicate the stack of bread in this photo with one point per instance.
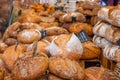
(90, 9)
(42, 44)
(107, 34)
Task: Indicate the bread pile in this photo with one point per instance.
(43, 43)
(107, 32)
(90, 9)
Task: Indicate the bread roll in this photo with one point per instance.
(29, 35)
(112, 52)
(68, 17)
(90, 50)
(51, 31)
(66, 68)
(101, 42)
(110, 14)
(78, 27)
(107, 31)
(97, 73)
(117, 71)
(11, 54)
(31, 66)
(31, 26)
(66, 45)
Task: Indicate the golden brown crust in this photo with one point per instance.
(10, 41)
(78, 27)
(29, 35)
(96, 73)
(47, 24)
(55, 31)
(66, 68)
(90, 50)
(30, 68)
(53, 77)
(11, 55)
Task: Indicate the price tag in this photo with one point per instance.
(92, 64)
(43, 34)
(118, 42)
(83, 36)
(59, 8)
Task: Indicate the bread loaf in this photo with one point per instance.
(30, 66)
(29, 36)
(51, 31)
(101, 42)
(68, 17)
(11, 54)
(107, 31)
(66, 68)
(66, 45)
(41, 47)
(90, 50)
(110, 14)
(112, 52)
(97, 73)
(117, 71)
(78, 27)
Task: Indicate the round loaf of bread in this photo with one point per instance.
(29, 35)
(66, 68)
(67, 46)
(90, 50)
(99, 73)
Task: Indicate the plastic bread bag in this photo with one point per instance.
(112, 53)
(110, 14)
(66, 45)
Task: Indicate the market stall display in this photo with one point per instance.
(45, 42)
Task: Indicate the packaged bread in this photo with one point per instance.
(107, 31)
(72, 17)
(101, 42)
(112, 52)
(51, 31)
(66, 45)
(66, 68)
(11, 54)
(90, 50)
(78, 27)
(28, 36)
(110, 14)
(117, 71)
(30, 66)
(98, 73)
